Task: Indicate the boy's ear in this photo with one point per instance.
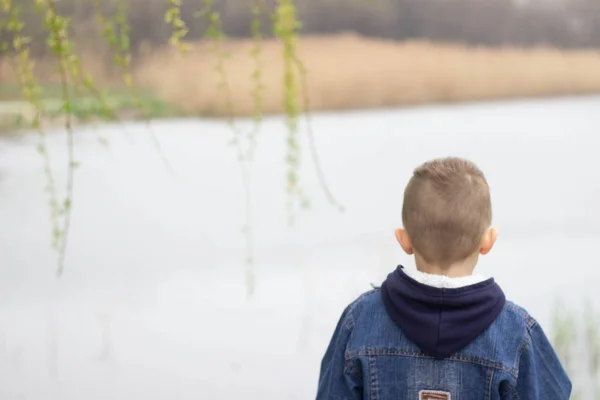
(404, 241)
(489, 238)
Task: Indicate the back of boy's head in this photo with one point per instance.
(447, 209)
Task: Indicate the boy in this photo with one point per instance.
(441, 332)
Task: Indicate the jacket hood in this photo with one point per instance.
(441, 321)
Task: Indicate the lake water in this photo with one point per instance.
(153, 303)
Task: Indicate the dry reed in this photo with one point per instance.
(349, 72)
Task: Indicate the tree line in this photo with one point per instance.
(558, 23)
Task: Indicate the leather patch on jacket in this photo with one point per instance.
(434, 395)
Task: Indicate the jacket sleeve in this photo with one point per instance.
(541, 375)
(335, 382)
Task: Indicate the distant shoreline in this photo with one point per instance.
(348, 72)
(344, 73)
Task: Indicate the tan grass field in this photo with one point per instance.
(350, 72)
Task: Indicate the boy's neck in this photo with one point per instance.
(457, 270)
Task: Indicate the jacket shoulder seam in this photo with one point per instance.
(351, 308)
(530, 321)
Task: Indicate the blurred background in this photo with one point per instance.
(183, 277)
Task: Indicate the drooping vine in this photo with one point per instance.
(116, 34)
(19, 56)
(178, 26)
(115, 30)
(258, 88)
(214, 33)
(70, 72)
(58, 41)
(311, 136)
(286, 27)
(289, 38)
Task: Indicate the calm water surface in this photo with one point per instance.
(153, 303)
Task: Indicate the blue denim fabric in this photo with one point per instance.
(369, 357)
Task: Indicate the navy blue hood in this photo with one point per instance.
(441, 321)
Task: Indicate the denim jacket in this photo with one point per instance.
(406, 340)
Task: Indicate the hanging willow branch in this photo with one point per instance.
(19, 56)
(178, 26)
(289, 36)
(286, 27)
(70, 72)
(257, 92)
(311, 137)
(59, 43)
(116, 33)
(214, 33)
